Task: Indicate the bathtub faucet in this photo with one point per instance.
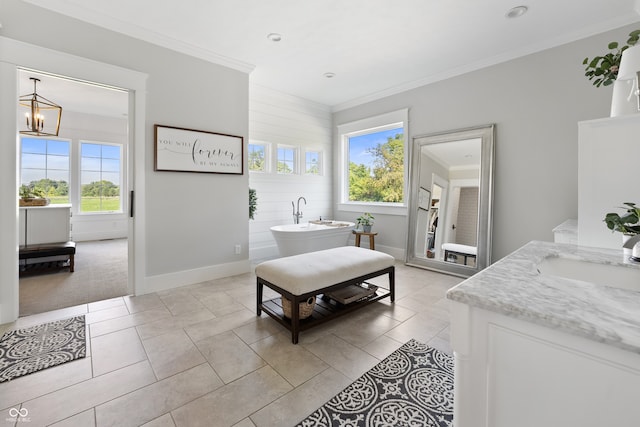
(297, 214)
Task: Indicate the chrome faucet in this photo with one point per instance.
(297, 214)
(634, 244)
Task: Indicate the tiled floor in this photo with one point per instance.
(199, 356)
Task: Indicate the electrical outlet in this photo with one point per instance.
(238, 249)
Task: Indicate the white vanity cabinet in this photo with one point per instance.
(45, 224)
(608, 174)
(511, 373)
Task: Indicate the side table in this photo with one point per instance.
(372, 238)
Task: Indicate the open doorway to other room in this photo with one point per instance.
(83, 171)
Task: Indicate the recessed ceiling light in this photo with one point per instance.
(516, 12)
(329, 75)
(274, 37)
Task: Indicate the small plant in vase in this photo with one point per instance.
(603, 70)
(365, 222)
(627, 224)
(32, 196)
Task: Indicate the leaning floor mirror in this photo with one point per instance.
(451, 198)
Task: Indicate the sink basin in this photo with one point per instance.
(616, 276)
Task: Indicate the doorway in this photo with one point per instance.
(81, 171)
(15, 54)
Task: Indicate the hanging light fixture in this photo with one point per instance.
(42, 117)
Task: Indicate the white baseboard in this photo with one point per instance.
(100, 235)
(177, 279)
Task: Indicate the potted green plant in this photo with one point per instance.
(603, 70)
(627, 224)
(32, 196)
(253, 202)
(365, 222)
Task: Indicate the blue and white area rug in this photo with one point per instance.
(28, 350)
(411, 387)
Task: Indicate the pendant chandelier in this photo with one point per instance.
(42, 117)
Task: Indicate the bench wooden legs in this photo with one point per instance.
(259, 292)
(327, 312)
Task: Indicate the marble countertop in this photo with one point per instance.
(569, 226)
(514, 287)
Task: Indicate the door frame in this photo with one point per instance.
(16, 54)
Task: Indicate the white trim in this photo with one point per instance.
(15, 54)
(267, 155)
(296, 159)
(374, 208)
(519, 52)
(367, 125)
(303, 162)
(124, 202)
(175, 279)
(158, 38)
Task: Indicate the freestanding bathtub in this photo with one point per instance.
(294, 239)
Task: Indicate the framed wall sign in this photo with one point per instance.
(424, 198)
(188, 150)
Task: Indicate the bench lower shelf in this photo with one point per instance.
(324, 310)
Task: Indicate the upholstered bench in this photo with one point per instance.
(458, 249)
(50, 250)
(300, 277)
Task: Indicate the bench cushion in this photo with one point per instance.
(462, 249)
(40, 251)
(300, 274)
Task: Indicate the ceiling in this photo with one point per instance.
(74, 95)
(374, 48)
(463, 154)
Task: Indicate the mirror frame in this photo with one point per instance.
(485, 204)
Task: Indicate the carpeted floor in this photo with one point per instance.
(411, 387)
(28, 350)
(101, 272)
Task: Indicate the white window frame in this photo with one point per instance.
(320, 162)
(296, 159)
(123, 183)
(267, 156)
(368, 125)
(46, 138)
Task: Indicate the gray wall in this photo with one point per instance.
(536, 102)
(193, 220)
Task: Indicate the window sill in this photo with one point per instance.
(374, 208)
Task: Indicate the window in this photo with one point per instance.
(312, 163)
(100, 174)
(257, 157)
(286, 160)
(375, 157)
(44, 167)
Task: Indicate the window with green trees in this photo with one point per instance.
(312, 162)
(44, 166)
(257, 157)
(100, 174)
(376, 165)
(286, 160)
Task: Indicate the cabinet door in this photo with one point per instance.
(47, 225)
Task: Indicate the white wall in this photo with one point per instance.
(278, 118)
(536, 102)
(193, 221)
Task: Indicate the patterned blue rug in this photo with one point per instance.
(411, 387)
(28, 350)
